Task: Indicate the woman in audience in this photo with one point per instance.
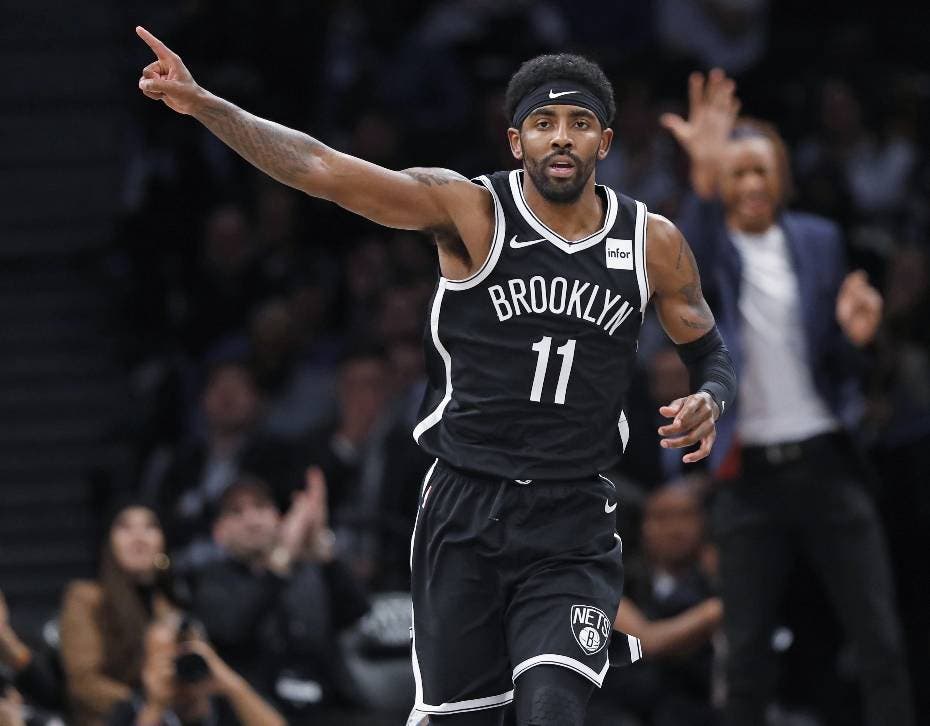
(103, 622)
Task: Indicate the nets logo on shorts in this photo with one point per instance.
(591, 628)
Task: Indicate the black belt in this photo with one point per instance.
(772, 455)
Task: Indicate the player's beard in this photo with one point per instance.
(560, 191)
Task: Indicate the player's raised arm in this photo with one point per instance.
(688, 321)
(420, 199)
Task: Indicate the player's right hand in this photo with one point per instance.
(693, 421)
(167, 79)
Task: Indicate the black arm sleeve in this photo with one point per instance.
(710, 367)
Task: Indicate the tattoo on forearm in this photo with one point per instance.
(281, 152)
(696, 324)
(702, 318)
(681, 247)
(433, 177)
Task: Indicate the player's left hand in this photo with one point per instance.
(858, 308)
(694, 418)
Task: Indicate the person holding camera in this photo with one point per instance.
(185, 683)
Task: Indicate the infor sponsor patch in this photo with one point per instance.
(619, 254)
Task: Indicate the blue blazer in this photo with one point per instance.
(818, 258)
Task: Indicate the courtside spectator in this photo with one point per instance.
(103, 622)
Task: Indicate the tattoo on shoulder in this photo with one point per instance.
(434, 177)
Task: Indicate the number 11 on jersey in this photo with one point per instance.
(542, 348)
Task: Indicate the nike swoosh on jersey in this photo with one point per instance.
(553, 94)
(609, 508)
(525, 243)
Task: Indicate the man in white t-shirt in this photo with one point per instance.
(795, 324)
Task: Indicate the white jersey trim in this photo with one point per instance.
(474, 704)
(635, 646)
(642, 275)
(566, 662)
(516, 189)
(497, 244)
(416, 520)
(433, 418)
(623, 426)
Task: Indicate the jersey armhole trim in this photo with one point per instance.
(642, 275)
(436, 415)
(497, 245)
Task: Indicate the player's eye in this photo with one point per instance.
(581, 124)
(542, 124)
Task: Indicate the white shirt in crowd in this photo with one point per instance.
(778, 402)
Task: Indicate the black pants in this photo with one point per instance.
(807, 500)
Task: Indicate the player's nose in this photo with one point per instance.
(561, 138)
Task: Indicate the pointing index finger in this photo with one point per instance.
(160, 49)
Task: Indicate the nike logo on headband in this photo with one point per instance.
(553, 94)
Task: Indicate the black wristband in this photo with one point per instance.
(710, 368)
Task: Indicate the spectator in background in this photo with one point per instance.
(848, 162)
(366, 277)
(391, 472)
(203, 467)
(344, 447)
(227, 282)
(671, 606)
(29, 675)
(276, 601)
(103, 622)
(298, 392)
(793, 322)
(900, 416)
(732, 34)
(662, 374)
(642, 159)
(211, 694)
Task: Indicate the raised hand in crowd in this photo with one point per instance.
(858, 308)
(712, 111)
(304, 533)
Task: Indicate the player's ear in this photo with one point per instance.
(607, 137)
(516, 148)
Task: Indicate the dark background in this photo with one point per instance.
(135, 249)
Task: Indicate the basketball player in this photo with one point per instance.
(545, 276)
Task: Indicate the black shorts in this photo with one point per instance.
(507, 575)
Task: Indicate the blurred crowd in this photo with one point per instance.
(253, 570)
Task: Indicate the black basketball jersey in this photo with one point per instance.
(530, 358)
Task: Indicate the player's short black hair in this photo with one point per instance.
(559, 67)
